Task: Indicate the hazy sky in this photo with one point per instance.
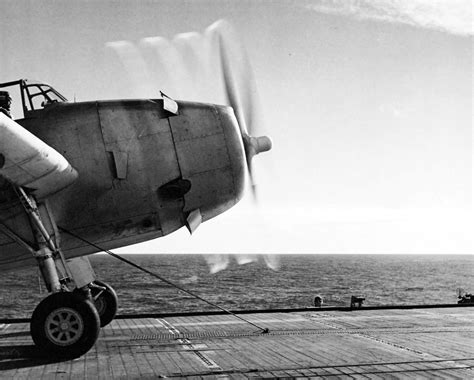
(369, 105)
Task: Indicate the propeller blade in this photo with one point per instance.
(241, 94)
(231, 87)
(238, 73)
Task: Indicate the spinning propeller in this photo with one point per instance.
(188, 63)
(241, 95)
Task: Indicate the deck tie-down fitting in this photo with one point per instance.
(263, 330)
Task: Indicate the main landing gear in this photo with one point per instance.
(67, 322)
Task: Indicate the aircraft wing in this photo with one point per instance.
(27, 161)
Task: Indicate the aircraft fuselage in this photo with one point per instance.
(142, 171)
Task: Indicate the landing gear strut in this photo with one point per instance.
(68, 321)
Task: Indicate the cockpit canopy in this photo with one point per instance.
(34, 95)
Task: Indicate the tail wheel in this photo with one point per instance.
(106, 302)
(65, 324)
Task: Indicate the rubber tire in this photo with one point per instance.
(108, 311)
(84, 308)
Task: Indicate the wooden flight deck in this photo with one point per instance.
(326, 343)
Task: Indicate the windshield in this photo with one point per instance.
(40, 95)
(28, 96)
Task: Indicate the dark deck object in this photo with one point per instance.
(376, 343)
(357, 301)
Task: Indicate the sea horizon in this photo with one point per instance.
(257, 281)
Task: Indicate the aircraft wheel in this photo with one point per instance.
(65, 324)
(106, 303)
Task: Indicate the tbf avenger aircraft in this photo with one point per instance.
(113, 173)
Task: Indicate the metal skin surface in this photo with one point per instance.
(124, 152)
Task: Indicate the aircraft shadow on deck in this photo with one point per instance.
(22, 356)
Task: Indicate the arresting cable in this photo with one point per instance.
(264, 330)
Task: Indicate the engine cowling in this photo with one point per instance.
(211, 157)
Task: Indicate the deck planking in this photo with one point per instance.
(362, 344)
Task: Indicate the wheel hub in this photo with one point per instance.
(100, 305)
(64, 326)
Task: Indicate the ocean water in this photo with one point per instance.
(250, 282)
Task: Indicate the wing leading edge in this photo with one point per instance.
(27, 161)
